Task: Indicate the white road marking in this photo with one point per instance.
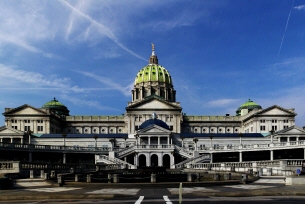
(139, 200)
(123, 191)
(249, 187)
(191, 190)
(167, 200)
(52, 190)
(31, 184)
(263, 180)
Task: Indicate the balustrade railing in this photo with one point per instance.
(52, 147)
(162, 146)
(6, 165)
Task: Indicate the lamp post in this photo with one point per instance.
(125, 138)
(195, 140)
(240, 136)
(271, 136)
(182, 138)
(211, 137)
(29, 132)
(95, 137)
(64, 138)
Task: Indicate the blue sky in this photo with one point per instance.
(86, 53)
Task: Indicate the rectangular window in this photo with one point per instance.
(27, 121)
(14, 127)
(285, 121)
(274, 121)
(286, 126)
(27, 128)
(39, 128)
(39, 121)
(262, 121)
(274, 127)
(263, 127)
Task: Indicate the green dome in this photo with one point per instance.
(59, 108)
(250, 105)
(153, 72)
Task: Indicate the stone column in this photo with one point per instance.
(42, 174)
(158, 140)
(20, 141)
(240, 156)
(148, 140)
(31, 174)
(160, 159)
(12, 140)
(148, 162)
(211, 157)
(64, 158)
(172, 161)
(35, 126)
(271, 155)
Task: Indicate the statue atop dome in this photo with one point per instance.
(152, 46)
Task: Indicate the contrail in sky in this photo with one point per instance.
(285, 28)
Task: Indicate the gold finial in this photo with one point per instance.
(152, 46)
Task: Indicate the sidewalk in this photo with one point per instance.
(38, 189)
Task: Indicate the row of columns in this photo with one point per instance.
(169, 140)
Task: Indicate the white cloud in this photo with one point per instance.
(91, 103)
(301, 7)
(223, 102)
(108, 82)
(100, 28)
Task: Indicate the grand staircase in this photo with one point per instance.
(107, 160)
(183, 152)
(125, 152)
(201, 158)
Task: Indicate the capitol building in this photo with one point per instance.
(154, 131)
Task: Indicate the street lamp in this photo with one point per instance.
(29, 133)
(271, 132)
(125, 138)
(195, 140)
(64, 137)
(211, 137)
(95, 137)
(240, 136)
(182, 138)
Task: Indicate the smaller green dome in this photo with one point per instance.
(59, 108)
(250, 105)
(153, 72)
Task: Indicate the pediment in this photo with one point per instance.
(155, 103)
(154, 129)
(25, 110)
(293, 130)
(276, 110)
(9, 131)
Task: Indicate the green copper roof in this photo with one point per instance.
(250, 105)
(59, 108)
(153, 72)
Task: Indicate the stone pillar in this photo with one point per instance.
(148, 162)
(12, 140)
(148, 140)
(1, 139)
(20, 141)
(240, 156)
(189, 177)
(271, 155)
(31, 174)
(160, 159)
(116, 178)
(64, 158)
(30, 157)
(158, 140)
(153, 178)
(269, 171)
(211, 157)
(76, 179)
(136, 162)
(88, 178)
(172, 161)
(42, 174)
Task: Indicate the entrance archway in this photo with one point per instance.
(154, 160)
(166, 161)
(142, 160)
